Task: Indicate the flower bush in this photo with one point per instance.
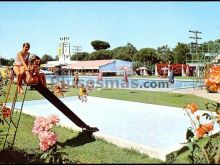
(212, 82)
(48, 140)
(177, 69)
(201, 129)
(42, 126)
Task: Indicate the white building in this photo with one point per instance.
(64, 50)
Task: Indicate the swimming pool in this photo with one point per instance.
(118, 82)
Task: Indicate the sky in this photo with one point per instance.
(143, 24)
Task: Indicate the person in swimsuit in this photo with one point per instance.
(20, 65)
(33, 75)
(171, 77)
(76, 80)
(82, 93)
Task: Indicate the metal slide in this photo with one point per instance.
(43, 90)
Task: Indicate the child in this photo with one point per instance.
(33, 74)
(83, 93)
(20, 65)
(57, 90)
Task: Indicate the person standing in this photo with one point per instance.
(171, 77)
(76, 79)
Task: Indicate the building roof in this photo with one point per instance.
(92, 64)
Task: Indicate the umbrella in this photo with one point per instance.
(141, 68)
(47, 65)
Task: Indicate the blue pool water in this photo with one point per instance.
(118, 82)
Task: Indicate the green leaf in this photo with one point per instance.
(191, 146)
(44, 156)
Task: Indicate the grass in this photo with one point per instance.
(143, 96)
(159, 98)
(79, 147)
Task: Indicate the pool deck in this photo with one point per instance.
(146, 128)
(126, 124)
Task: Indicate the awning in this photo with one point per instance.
(142, 68)
(46, 72)
(47, 65)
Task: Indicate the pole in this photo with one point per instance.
(196, 40)
(196, 51)
(76, 50)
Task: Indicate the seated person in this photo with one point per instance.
(33, 74)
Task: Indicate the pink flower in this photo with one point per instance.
(44, 145)
(37, 125)
(54, 119)
(47, 139)
(42, 126)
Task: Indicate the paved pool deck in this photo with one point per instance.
(151, 129)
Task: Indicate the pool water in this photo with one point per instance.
(116, 82)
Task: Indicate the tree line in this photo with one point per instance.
(144, 57)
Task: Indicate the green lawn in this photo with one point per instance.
(159, 98)
(79, 147)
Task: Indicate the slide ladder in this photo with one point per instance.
(13, 122)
